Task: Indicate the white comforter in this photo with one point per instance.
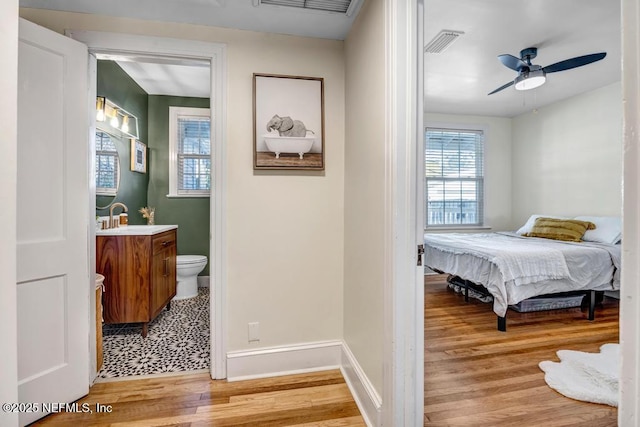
(514, 268)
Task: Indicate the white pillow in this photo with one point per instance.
(528, 226)
(608, 229)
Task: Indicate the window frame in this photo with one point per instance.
(459, 127)
(174, 114)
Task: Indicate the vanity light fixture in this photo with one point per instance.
(112, 118)
(100, 104)
(125, 124)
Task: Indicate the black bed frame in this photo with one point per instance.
(502, 320)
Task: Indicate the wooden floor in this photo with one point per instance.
(318, 399)
(474, 376)
(477, 376)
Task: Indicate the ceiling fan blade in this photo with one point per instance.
(578, 61)
(512, 62)
(501, 87)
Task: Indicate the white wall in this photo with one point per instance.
(8, 178)
(567, 157)
(284, 229)
(497, 184)
(364, 191)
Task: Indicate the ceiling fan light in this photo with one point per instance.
(531, 80)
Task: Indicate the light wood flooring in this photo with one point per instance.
(474, 376)
(317, 399)
(477, 376)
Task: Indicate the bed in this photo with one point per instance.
(513, 267)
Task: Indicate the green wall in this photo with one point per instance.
(151, 189)
(191, 214)
(119, 88)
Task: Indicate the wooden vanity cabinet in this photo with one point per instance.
(140, 276)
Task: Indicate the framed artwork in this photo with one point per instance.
(288, 122)
(138, 156)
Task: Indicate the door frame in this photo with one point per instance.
(403, 374)
(215, 53)
(629, 405)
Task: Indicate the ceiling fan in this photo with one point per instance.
(532, 76)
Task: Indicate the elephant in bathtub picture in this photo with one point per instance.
(291, 108)
(286, 126)
(292, 137)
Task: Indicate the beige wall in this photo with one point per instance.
(8, 182)
(497, 163)
(284, 229)
(364, 190)
(567, 157)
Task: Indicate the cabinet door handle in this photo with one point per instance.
(166, 267)
(166, 243)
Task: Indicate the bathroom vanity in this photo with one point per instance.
(139, 265)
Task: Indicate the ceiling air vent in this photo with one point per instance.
(340, 6)
(443, 40)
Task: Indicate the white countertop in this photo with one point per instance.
(136, 230)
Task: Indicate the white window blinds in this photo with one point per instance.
(194, 155)
(190, 151)
(454, 177)
(107, 165)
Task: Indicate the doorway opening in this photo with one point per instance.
(176, 339)
(195, 58)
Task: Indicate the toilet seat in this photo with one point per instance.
(190, 259)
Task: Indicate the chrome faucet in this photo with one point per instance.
(124, 209)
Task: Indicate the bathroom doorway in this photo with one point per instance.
(198, 319)
(142, 92)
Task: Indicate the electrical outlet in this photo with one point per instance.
(254, 331)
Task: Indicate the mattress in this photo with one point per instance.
(496, 260)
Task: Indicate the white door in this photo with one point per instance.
(52, 226)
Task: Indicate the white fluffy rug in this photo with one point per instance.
(592, 377)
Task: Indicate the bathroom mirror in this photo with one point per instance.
(107, 169)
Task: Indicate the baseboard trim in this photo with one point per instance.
(309, 357)
(363, 392)
(284, 360)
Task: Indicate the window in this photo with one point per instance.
(107, 165)
(454, 177)
(190, 152)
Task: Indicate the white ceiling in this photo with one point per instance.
(457, 80)
(240, 14)
(173, 78)
(163, 77)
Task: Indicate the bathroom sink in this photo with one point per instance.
(132, 230)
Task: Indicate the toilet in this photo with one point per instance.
(188, 268)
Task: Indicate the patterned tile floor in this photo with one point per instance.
(178, 340)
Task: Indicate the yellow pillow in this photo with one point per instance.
(570, 230)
